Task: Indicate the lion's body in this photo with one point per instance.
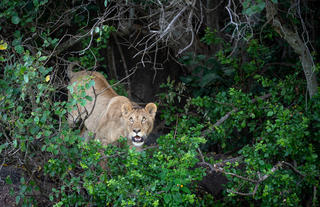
(109, 116)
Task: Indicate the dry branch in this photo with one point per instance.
(161, 34)
(299, 46)
(124, 64)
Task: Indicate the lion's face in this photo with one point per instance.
(139, 122)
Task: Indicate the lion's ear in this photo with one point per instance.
(126, 108)
(151, 108)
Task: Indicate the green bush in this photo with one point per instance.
(236, 102)
(275, 137)
(87, 173)
(271, 130)
(154, 177)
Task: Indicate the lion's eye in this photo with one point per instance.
(131, 119)
(144, 119)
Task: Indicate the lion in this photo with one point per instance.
(109, 116)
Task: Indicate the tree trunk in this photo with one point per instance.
(295, 41)
(213, 8)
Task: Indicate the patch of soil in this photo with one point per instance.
(6, 198)
(8, 192)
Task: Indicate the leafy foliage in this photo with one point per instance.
(269, 130)
(87, 173)
(240, 101)
(207, 74)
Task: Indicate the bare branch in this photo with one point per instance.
(299, 45)
(163, 33)
(124, 64)
(94, 105)
(314, 199)
(189, 28)
(241, 27)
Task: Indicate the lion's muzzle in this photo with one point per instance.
(137, 139)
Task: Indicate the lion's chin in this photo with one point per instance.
(137, 144)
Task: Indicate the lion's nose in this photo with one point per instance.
(136, 130)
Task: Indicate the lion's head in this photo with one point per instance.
(139, 122)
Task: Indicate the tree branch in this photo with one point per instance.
(299, 46)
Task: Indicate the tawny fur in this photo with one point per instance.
(111, 116)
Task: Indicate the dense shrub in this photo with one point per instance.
(39, 140)
(237, 104)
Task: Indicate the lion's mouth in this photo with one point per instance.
(137, 141)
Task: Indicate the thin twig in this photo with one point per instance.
(124, 64)
(94, 105)
(163, 33)
(190, 28)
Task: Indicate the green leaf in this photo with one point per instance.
(36, 119)
(83, 102)
(8, 180)
(19, 49)
(208, 78)
(106, 3)
(15, 19)
(243, 124)
(3, 146)
(177, 198)
(228, 71)
(15, 143)
(2, 59)
(90, 189)
(261, 162)
(42, 58)
(23, 188)
(186, 79)
(261, 6)
(96, 30)
(70, 88)
(83, 165)
(26, 78)
(167, 198)
(17, 200)
(186, 190)
(201, 57)
(248, 11)
(47, 133)
(91, 83)
(89, 98)
(270, 113)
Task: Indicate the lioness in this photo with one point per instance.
(109, 116)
